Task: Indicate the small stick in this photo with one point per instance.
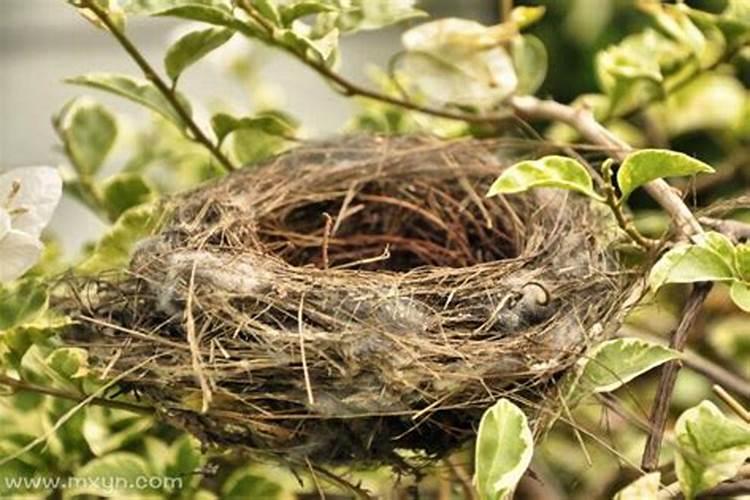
(732, 403)
(326, 238)
(658, 418)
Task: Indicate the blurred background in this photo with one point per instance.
(42, 42)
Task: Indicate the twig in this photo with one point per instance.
(732, 403)
(582, 119)
(658, 418)
(151, 75)
(506, 7)
(20, 385)
(470, 493)
(616, 208)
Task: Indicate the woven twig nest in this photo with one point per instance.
(353, 298)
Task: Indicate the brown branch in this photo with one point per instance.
(20, 385)
(732, 403)
(150, 74)
(582, 119)
(660, 410)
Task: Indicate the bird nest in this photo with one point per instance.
(351, 299)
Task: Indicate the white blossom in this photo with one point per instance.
(28, 198)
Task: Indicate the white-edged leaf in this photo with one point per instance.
(646, 165)
(190, 48)
(89, 131)
(504, 449)
(742, 261)
(710, 448)
(740, 293)
(612, 364)
(136, 90)
(645, 487)
(123, 191)
(708, 260)
(550, 171)
(269, 123)
(114, 249)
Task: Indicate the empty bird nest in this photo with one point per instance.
(351, 299)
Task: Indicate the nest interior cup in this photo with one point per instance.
(355, 298)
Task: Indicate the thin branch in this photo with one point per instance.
(616, 208)
(20, 385)
(582, 119)
(660, 410)
(150, 74)
(732, 403)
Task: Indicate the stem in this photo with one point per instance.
(732, 403)
(168, 92)
(506, 7)
(616, 208)
(20, 385)
(669, 371)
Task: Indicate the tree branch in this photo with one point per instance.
(20, 385)
(582, 119)
(669, 371)
(150, 74)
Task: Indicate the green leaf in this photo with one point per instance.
(530, 62)
(373, 14)
(186, 456)
(136, 90)
(70, 362)
(740, 293)
(710, 259)
(646, 165)
(296, 10)
(710, 448)
(124, 191)
(742, 261)
(89, 131)
(21, 303)
(193, 46)
(113, 476)
(646, 486)
(267, 8)
(243, 484)
(504, 450)
(218, 12)
(114, 249)
(614, 363)
(550, 171)
(268, 123)
(106, 430)
(253, 145)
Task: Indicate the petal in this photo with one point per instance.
(38, 196)
(4, 222)
(18, 253)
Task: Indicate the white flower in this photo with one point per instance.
(28, 198)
